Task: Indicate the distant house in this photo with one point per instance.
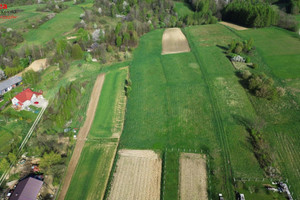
(26, 98)
(27, 189)
(9, 84)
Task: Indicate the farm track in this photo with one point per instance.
(220, 131)
(82, 135)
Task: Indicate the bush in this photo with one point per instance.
(77, 52)
(246, 74)
(254, 66)
(238, 49)
(248, 60)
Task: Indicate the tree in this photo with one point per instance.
(4, 165)
(12, 158)
(49, 160)
(61, 46)
(119, 41)
(77, 52)
(63, 66)
(83, 35)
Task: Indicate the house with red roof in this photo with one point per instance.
(25, 99)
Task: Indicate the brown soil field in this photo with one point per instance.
(83, 132)
(137, 176)
(193, 177)
(37, 65)
(174, 41)
(236, 27)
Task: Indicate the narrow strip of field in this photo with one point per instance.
(82, 135)
(174, 41)
(137, 176)
(236, 27)
(92, 172)
(193, 177)
(111, 107)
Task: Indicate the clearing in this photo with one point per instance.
(84, 130)
(174, 41)
(193, 177)
(236, 27)
(137, 176)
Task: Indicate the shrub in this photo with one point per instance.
(254, 65)
(248, 60)
(77, 52)
(238, 49)
(246, 74)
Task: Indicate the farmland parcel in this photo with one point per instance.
(137, 176)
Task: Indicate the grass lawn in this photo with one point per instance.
(183, 9)
(54, 28)
(174, 104)
(92, 171)
(24, 18)
(108, 112)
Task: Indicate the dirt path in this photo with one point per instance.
(81, 137)
(35, 66)
(236, 27)
(174, 41)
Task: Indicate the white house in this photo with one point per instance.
(26, 98)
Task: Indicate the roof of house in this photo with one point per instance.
(9, 82)
(27, 189)
(26, 95)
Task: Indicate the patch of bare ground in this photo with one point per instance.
(174, 41)
(84, 130)
(236, 27)
(137, 176)
(36, 66)
(193, 176)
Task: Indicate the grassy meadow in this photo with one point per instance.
(88, 181)
(183, 9)
(54, 28)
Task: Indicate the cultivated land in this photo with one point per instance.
(173, 41)
(193, 177)
(137, 176)
(196, 99)
(82, 135)
(111, 107)
(92, 172)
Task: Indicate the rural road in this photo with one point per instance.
(81, 137)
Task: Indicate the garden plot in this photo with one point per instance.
(174, 41)
(137, 176)
(193, 177)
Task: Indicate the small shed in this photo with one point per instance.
(9, 84)
(27, 189)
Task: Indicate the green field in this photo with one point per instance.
(24, 18)
(183, 9)
(93, 169)
(108, 109)
(54, 28)
(191, 101)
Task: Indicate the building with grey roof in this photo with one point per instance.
(9, 84)
(27, 189)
